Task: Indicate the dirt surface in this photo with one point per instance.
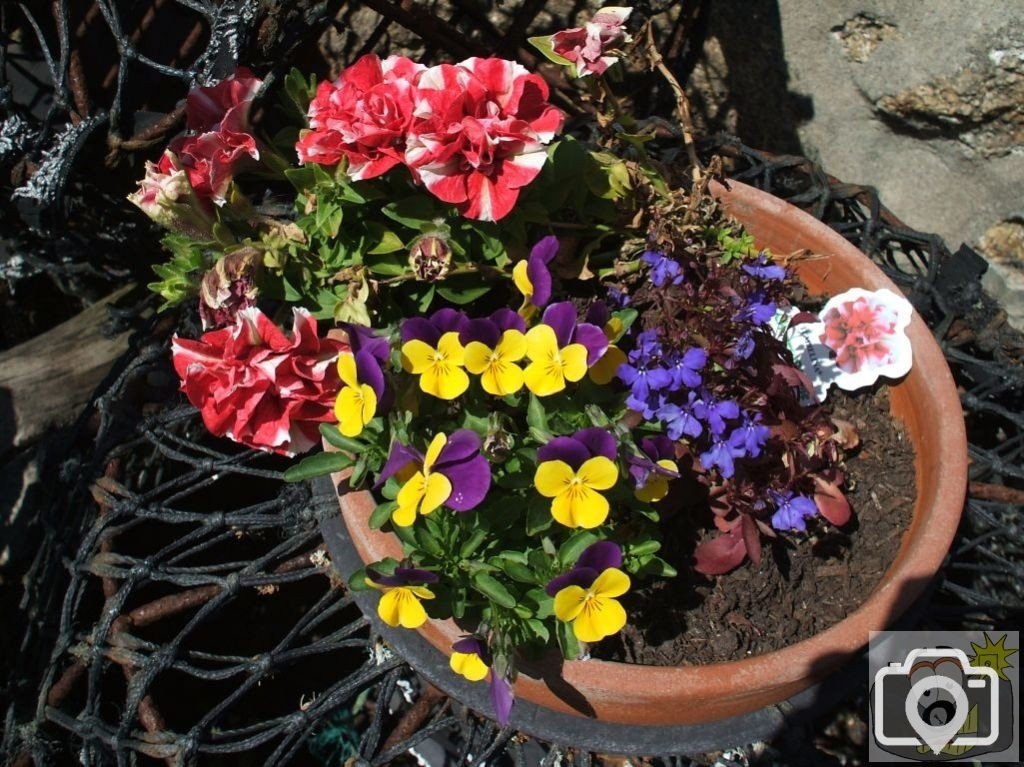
(805, 583)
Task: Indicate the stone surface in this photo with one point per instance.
(1003, 246)
(923, 100)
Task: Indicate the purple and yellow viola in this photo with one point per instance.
(403, 589)
(586, 595)
(652, 471)
(533, 278)
(362, 392)
(573, 472)
(452, 473)
(432, 350)
(561, 349)
(493, 348)
(471, 658)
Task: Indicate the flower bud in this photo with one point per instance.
(166, 196)
(229, 287)
(430, 258)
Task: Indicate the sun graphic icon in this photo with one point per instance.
(993, 655)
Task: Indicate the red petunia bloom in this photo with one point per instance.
(364, 117)
(255, 385)
(479, 134)
(211, 160)
(224, 106)
(589, 47)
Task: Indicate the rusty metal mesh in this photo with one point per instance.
(179, 607)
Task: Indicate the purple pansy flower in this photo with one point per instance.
(685, 368)
(663, 269)
(792, 510)
(721, 454)
(679, 419)
(534, 278)
(502, 698)
(429, 330)
(403, 576)
(750, 436)
(459, 460)
(657, 448)
(580, 447)
(561, 318)
(594, 560)
(363, 339)
(765, 269)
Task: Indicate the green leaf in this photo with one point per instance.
(381, 515)
(643, 548)
(567, 642)
(463, 289)
(546, 46)
(471, 544)
(427, 541)
(299, 89)
(413, 212)
(537, 420)
(538, 515)
(493, 590)
(317, 465)
(539, 629)
(658, 567)
(570, 550)
(357, 581)
(335, 438)
(387, 241)
(518, 572)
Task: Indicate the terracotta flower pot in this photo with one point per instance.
(926, 401)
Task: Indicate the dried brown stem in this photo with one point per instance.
(682, 103)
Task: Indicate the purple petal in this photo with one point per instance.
(562, 319)
(537, 269)
(593, 338)
(578, 576)
(420, 329)
(400, 457)
(482, 330)
(508, 319)
(403, 576)
(502, 699)
(658, 447)
(475, 645)
(695, 358)
(470, 482)
(460, 446)
(598, 314)
(368, 372)
(362, 338)
(567, 449)
(448, 320)
(598, 441)
(600, 556)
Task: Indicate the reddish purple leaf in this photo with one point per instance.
(831, 502)
(720, 554)
(751, 539)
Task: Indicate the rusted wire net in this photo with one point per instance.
(198, 616)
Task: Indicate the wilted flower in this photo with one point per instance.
(403, 590)
(166, 196)
(229, 287)
(258, 387)
(589, 47)
(430, 258)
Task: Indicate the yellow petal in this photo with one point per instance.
(598, 619)
(541, 343)
(417, 356)
(403, 516)
(389, 606)
(434, 450)
(444, 381)
(569, 602)
(411, 614)
(369, 403)
(439, 488)
(598, 473)
(512, 346)
(477, 357)
(544, 378)
(552, 478)
(408, 499)
(347, 369)
(451, 348)
(611, 583)
(580, 507)
(613, 329)
(606, 368)
(574, 361)
(520, 278)
(348, 409)
(657, 484)
(422, 592)
(502, 378)
(469, 665)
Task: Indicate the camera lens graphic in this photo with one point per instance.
(942, 713)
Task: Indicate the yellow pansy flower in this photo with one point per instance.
(499, 375)
(550, 366)
(440, 369)
(425, 491)
(577, 501)
(594, 612)
(356, 403)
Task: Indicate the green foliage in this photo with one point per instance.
(180, 277)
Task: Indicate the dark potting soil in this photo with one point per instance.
(805, 583)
